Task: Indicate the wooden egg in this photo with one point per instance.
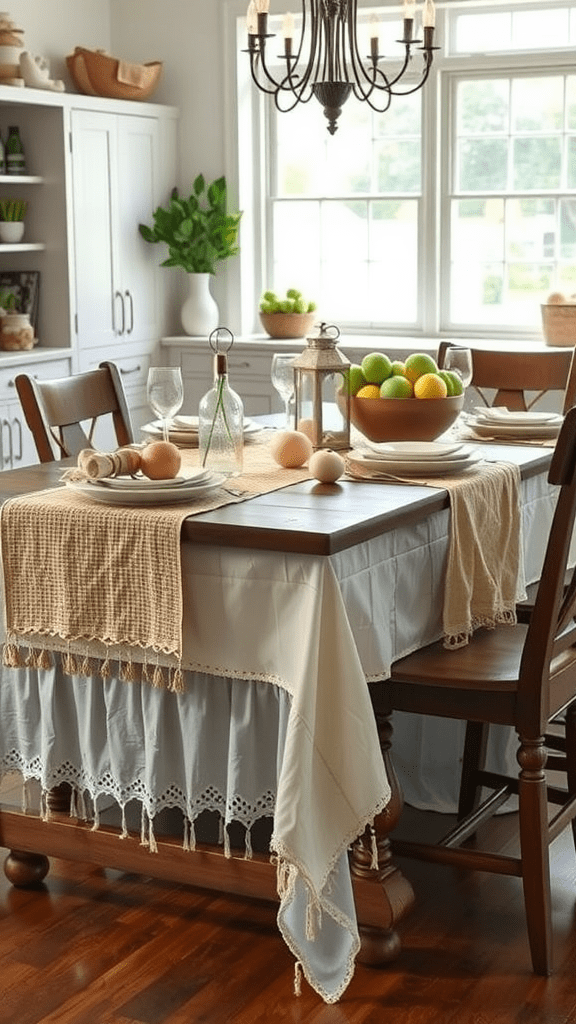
(327, 466)
(291, 449)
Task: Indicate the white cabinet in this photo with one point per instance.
(114, 171)
(248, 370)
(17, 446)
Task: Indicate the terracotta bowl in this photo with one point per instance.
(97, 74)
(404, 419)
(288, 325)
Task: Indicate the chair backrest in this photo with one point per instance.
(512, 373)
(55, 410)
(550, 648)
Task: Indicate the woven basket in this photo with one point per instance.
(288, 325)
(559, 324)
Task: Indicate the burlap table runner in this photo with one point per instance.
(78, 570)
(485, 569)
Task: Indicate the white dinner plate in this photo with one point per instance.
(520, 433)
(428, 467)
(518, 418)
(147, 496)
(196, 478)
(418, 450)
(188, 437)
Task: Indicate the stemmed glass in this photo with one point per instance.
(165, 393)
(283, 378)
(459, 359)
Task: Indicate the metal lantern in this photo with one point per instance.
(321, 391)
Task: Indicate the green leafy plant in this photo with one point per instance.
(8, 301)
(198, 231)
(13, 209)
(293, 303)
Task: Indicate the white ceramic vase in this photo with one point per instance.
(199, 313)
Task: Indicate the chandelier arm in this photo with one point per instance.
(422, 81)
(256, 62)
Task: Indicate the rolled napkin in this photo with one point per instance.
(93, 465)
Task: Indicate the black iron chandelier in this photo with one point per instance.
(332, 68)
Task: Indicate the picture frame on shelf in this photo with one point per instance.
(25, 285)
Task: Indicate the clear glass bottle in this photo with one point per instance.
(221, 424)
(15, 159)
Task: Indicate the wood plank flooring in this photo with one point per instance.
(95, 946)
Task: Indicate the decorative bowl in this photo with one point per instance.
(404, 419)
(98, 74)
(288, 325)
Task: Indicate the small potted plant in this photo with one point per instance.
(16, 331)
(12, 214)
(199, 233)
(290, 317)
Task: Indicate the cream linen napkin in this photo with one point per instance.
(485, 569)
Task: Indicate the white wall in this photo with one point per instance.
(53, 28)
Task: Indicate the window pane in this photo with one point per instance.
(491, 32)
(482, 106)
(477, 232)
(483, 33)
(530, 229)
(537, 163)
(537, 104)
(483, 165)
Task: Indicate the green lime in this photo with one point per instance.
(457, 385)
(418, 364)
(355, 379)
(447, 378)
(396, 387)
(376, 367)
(398, 368)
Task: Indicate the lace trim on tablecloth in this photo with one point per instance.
(289, 869)
(234, 808)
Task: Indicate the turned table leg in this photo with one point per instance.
(25, 870)
(380, 945)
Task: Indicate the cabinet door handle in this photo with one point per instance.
(118, 295)
(135, 369)
(131, 300)
(16, 423)
(9, 460)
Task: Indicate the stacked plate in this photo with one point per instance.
(139, 490)
(183, 430)
(415, 458)
(498, 422)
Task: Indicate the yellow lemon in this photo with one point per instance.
(430, 385)
(369, 391)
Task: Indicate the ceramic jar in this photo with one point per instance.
(16, 332)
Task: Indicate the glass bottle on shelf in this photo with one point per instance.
(15, 159)
(221, 415)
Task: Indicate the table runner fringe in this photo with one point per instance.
(503, 617)
(17, 654)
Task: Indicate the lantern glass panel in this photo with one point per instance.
(318, 413)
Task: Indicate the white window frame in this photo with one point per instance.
(248, 110)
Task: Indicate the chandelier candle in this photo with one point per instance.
(333, 68)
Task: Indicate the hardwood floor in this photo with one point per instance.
(94, 946)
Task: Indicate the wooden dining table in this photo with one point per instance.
(319, 523)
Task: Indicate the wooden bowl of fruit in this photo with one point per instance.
(403, 401)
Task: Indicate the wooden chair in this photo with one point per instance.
(521, 676)
(513, 373)
(55, 410)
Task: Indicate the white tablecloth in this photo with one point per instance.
(304, 747)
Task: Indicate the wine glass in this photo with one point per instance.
(459, 359)
(165, 393)
(283, 378)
